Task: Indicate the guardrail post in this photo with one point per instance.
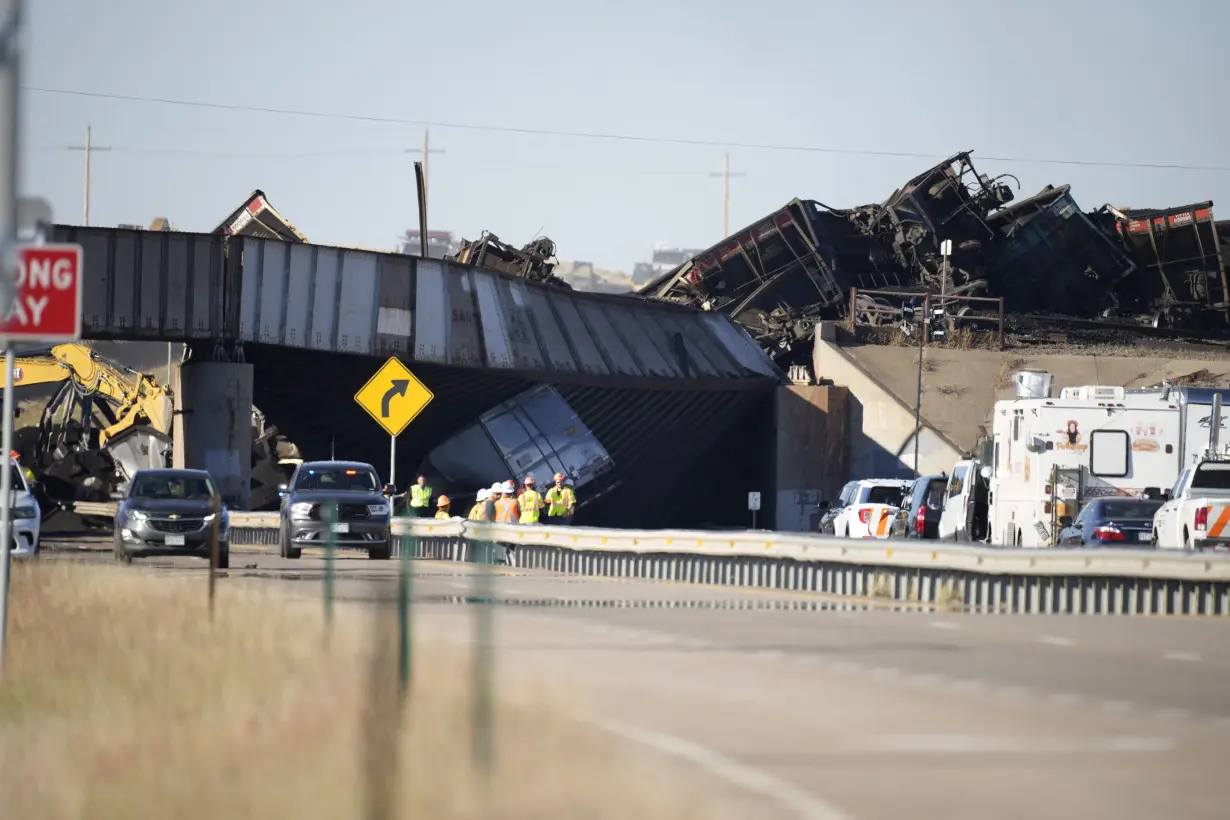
(216, 507)
(404, 581)
(482, 699)
(331, 516)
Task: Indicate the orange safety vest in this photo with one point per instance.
(507, 511)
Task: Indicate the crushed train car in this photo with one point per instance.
(1043, 255)
(534, 261)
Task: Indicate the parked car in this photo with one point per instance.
(1111, 522)
(26, 517)
(171, 512)
(362, 510)
(921, 508)
(868, 508)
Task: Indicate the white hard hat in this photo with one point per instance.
(497, 487)
(484, 494)
(508, 488)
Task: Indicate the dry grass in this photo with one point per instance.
(952, 390)
(121, 700)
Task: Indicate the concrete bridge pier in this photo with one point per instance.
(213, 425)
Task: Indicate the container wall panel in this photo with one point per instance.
(325, 285)
(492, 317)
(519, 321)
(395, 313)
(356, 326)
(683, 329)
(178, 286)
(207, 303)
(431, 314)
(604, 332)
(745, 351)
(123, 284)
(152, 282)
(300, 284)
(96, 284)
(651, 341)
(588, 353)
(465, 347)
(555, 346)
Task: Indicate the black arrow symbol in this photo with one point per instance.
(398, 389)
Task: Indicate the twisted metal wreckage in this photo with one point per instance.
(1160, 271)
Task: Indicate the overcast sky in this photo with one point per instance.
(1079, 80)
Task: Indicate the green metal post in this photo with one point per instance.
(405, 579)
(331, 516)
(484, 754)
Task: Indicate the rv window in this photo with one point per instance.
(957, 482)
(1108, 453)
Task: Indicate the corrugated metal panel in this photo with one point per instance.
(395, 311)
(739, 345)
(96, 284)
(648, 349)
(492, 318)
(656, 339)
(702, 335)
(325, 282)
(599, 324)
(464, 347)
(194, 289)
(123, 284)
(431, 315)
(263, 299)
(356, 325)
(558, 353)
(149, 292)
(519, 324)
(683, 329)
(587, 352)
(297, 317)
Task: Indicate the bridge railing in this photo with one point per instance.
(928, 573)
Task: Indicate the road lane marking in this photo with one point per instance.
(802, 804)
(768, 654)
(1064, 699)
(847, 666)
(1052, 640)
(1002, 744)
(943, 625)
(1117, 706)
(969, 685)
(926, 679)
(1014, 692)
(1174, 714)
(885, 673)
(1190, 657)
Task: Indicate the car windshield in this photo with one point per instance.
(17, 480)
(1129, 509)
(359, 481)
(172, 487)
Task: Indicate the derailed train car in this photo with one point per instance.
(1043, 255)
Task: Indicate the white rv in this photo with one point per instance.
(1051, 454)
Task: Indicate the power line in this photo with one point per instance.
(601, 135)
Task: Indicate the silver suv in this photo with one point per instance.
(362, 513)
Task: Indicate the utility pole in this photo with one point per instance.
(726, 175)
(426, 151)
(88, 148)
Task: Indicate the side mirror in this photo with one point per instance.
(1065, 520)
(389, 489)
(283, 490)
(1166, 494)
(823, 504)
(118, 496)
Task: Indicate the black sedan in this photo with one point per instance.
(349, 493)
(171, 512)
(1111, 522)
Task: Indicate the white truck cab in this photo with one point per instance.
(1196, 516)
(965, 503)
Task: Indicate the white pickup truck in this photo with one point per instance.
(869, 508)
(1196, 514)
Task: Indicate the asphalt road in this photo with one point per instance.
(812, 707)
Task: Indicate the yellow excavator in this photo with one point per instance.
(103, 424)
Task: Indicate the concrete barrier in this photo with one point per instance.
(995, 579)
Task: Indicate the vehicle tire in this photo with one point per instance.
(224, 556)
(122, 556)
(1153, 542)
(1187, 541)
(380, 553)
(284, 546)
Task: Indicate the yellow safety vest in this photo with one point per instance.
(420, 496)
(476, 512)
(560, 501)
(444, 514)
(531, 505)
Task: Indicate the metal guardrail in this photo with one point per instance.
(1048, 580)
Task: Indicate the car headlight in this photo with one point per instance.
(24, 511)
(377, 509)
(136, 516)
(300, 509)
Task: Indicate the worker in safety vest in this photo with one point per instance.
(531, 502)
(26, 471)
(507, 510)
(477, 512)
(443, 505)
(420, 498)
(561, 502)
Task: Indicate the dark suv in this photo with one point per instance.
(919, 516)
(362, 512)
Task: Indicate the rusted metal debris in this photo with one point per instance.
(535, 261)
(1044, 255)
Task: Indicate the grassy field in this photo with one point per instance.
(121, 699)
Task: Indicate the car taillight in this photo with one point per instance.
(920, 520)
(1202, 518)
(864, 515)
(1108, 534)
(1046, 508)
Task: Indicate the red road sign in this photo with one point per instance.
(47, 298)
